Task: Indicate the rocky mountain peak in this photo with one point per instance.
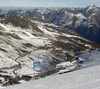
(91, 7)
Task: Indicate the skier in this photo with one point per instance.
(79, 61)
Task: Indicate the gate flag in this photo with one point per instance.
(37, 65)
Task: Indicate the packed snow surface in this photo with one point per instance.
(85, 78)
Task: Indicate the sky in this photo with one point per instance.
(49, 3)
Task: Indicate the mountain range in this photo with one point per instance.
(85, 21)
(38, 33)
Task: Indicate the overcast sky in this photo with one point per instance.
(49, 3)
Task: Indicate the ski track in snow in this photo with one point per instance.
(80, 79)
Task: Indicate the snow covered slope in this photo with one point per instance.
(21, 40)
(87, 78)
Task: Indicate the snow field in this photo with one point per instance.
(86, 78)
